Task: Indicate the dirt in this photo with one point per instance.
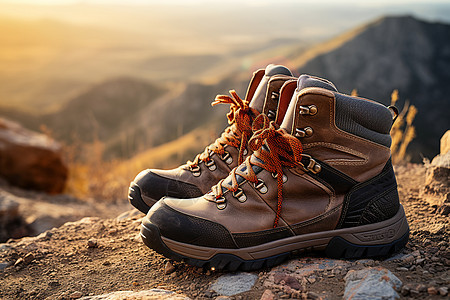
(95, 256)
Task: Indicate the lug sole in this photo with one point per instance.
(142, 203)
(373, 240)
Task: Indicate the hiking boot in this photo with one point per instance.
(323, 181)
(195, 178)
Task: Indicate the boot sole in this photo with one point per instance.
(373, 240)
(138, 200)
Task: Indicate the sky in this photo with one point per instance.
(250, 2)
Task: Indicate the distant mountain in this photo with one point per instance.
(401, 53)
(129, 115)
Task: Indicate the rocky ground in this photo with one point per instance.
(95, 256)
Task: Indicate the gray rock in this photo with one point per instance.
(141, 295)
(4, 265)
(371, 283)
(232, 284)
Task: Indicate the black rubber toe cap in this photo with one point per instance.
(183, 228)
(156, 187)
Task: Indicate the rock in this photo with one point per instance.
(76, 295)
(31, 160)
(54, 283)
(303, 271)
(4, 265)
(421, 288)
(444, 210)
(312, 295)
(141, 295)
(92, 243)
(445, 142)
(267, 295)
(18, 262)
(432, 290)
(443, 291)
(12, 224)
(232, 284)
(371, 283)
(437, 184)
(405, 290)
(28, 258)
(169, 268)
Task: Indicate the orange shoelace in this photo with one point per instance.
(237, 134)
(273, 148)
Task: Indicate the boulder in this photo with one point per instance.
(30, 160)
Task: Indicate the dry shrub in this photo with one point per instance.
(403, 131)
(91, 176)
(89, 173)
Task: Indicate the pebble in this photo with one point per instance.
(232, 284)
(443, 291)
(421, 288)
(267, 295)
(18, 262)
(54, 283)
(92, 243)
(76, 295)
(4, 265)
(169, 268)
(432, 290)
(28, 258)
(371, 283)
(405, 290)
(402, 269)
(420, 261)
(313, 296)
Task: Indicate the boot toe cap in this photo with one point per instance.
(155, 186)
(188, 229)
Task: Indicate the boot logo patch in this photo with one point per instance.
(385, 234)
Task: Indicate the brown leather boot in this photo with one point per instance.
(324, 181)
(195, 178)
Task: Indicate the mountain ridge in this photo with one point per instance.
(403, 53)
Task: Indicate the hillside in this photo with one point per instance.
(401, 53)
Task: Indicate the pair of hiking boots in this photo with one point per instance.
(301, 167)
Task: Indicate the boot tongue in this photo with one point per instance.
(259, 97)
(304, 81)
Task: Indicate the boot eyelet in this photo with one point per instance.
(239, 195)
(226, 157)
(309, 131)
(275, 175)
(260, 186)
(221, 202)
(211, 164)
(312, 110)
(271, 114)
(221, 206)
(275, 96)
(196, 171)
(305, 132)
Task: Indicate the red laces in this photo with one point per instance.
(274, 149)
(240, 119)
